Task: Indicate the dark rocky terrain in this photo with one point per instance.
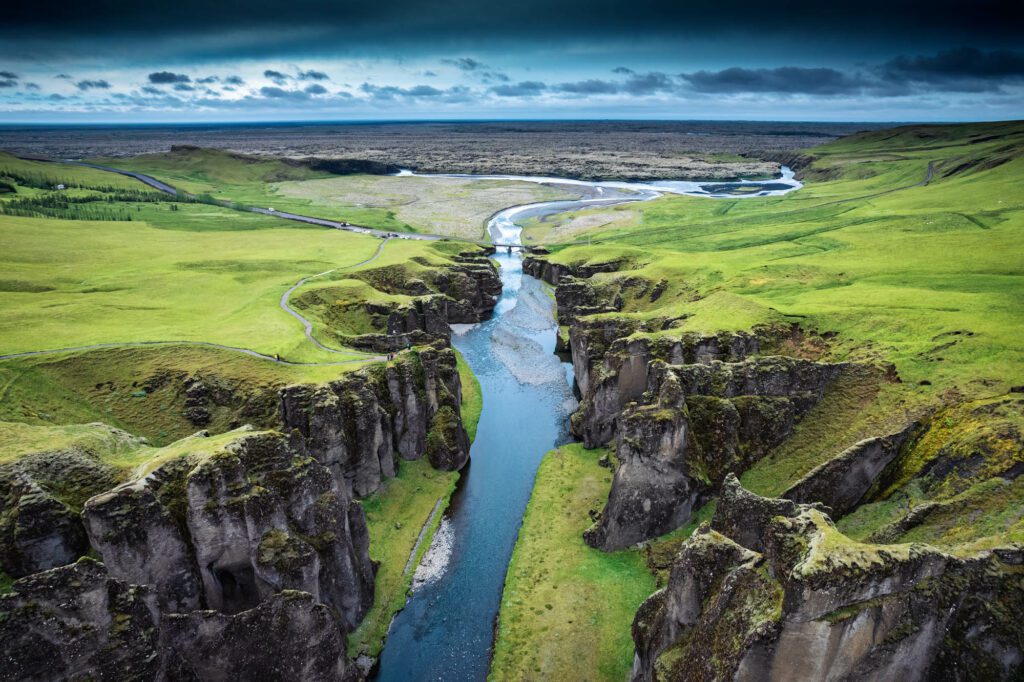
(591, 149)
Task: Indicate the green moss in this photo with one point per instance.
(472, 397)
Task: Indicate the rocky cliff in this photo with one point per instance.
(699, 423)
(770, 590)
(227, 530)
(463, 291)
(41, 499)
(77, 622)
(360, 425)
(683, 409)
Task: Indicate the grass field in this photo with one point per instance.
(451, 206)
(930, 278)
(872, 266)
(567, 608)
(396, 515)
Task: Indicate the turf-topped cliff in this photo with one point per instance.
(855, 345)
(256, 521)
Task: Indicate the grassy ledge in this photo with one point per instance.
(403, 517)
(396, 514)
(567, 608)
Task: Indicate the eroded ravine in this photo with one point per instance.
(446, 629)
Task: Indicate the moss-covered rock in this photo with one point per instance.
(695, 424)
(77, 623)
(803, 602)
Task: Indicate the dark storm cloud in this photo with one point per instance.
(208, 79)
(648, 83)
(166, 77)
(92, 85)
(8, 79)
(234, 80)
(281, 93)
(150, 90)
(388, 93)
(521, 89)
(276, 76)
(315, 89)
(312, 75)
(962, 69)
(184, 87)
(785, 79)
(404, 27)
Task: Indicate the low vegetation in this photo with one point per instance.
(904, 253)
(566, 608)
(458, 207)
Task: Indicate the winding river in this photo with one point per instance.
(446, 630)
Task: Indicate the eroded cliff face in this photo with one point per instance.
(699, 423)
(462, 292)
(78, 622)
(771, 590)
(235, 557)
(683, 409)
(41, 497)
(360, 425)
(228, 530)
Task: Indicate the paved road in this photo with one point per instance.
(323, 222)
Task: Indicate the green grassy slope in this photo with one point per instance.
(865, 263)
(930, 278)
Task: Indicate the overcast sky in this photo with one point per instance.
(194, 61)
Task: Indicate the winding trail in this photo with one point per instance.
(308, 324)
(205, 344)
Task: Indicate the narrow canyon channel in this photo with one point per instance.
(446, 630)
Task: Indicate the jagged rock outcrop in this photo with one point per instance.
(40, 503)
(841, 482)
(288, 637)
(78, 623)
(139, 530)
(461, 293)
(807, 603)
(699, 423)
(359, 425)
(611, 366)
(228, 529)
(552, 273)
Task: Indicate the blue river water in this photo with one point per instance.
(446, 630)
